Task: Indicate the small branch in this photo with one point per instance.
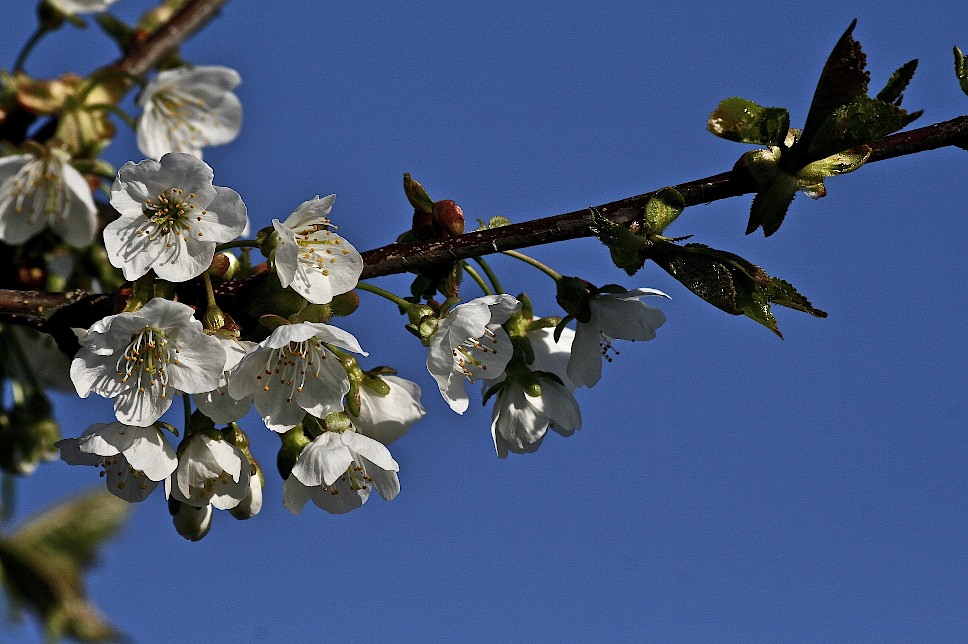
(189, 19)
(54, 313)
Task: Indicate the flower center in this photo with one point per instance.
(120, 472)
(470, 355)
(180, 116)
(170, 213)
(39, 186)
(318, 246)
(292, 364)
(146, 360)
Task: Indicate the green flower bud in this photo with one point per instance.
(573, 294)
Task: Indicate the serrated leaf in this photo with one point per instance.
(729, 282)
(739, 119)
(961, 69)
(896, 84)
(843, 78)
(662, 208)
(770, 206)
(859, 122)
(497, 221)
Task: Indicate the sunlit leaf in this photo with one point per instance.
(961, 69)
(738, 119)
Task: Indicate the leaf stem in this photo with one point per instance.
(490, 274)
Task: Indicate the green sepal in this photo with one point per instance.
(742, 120)
(729, 282)
(961, 69)
(624, 246)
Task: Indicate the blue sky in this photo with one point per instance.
(726, 484)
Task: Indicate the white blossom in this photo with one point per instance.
(386, 418)
(619, 316)
(520, 421)
(134, 459)
(188, 108)
(171, 218)
(144, 359)
(469, 344)
(212, 472)
(76, 7)
(45, 192)
(218, 404)
(292, 373)
(336, 471)
(310, 257)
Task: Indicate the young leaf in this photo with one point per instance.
(770, 205)
(729, 282)
(624, 246)
(662, 208)
(896, 84)
(737, 119)
(961, 69)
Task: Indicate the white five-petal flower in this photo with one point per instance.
(171, 218)
(310, 257)
(336, 471)
(134, 459)
(469, 344)
(520, 421)
(613, 316)
(292, 373)
(387, 418)
(188, 108)
(211, 472)
(37, 193)
(145, 359)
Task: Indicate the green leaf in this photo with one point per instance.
(843, 78)
(43, 564)
(729, 282)
(810, 178)
(770, 205)
(662, 208)
(738, 119)
(896, 84)
(961, 69)
(859, 122)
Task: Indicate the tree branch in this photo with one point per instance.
(54, 313)
(186, 21)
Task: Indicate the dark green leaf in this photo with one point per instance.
(843, 78)
(892, 92)
(729, 282)
(738, 119)
(770, 206)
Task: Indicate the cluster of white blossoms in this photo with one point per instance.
(302, 378)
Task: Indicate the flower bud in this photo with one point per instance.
(224, 266)
(190, 522)
(293, 443)
(449, 216)
(416, 194)
(251, 504)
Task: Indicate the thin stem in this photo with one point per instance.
(113, 109)
(376, 290)
(209, 290)
(238, 243)
(35, 37)
(477, 278)
(490, 274)
(550, 272)
(187, 404)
